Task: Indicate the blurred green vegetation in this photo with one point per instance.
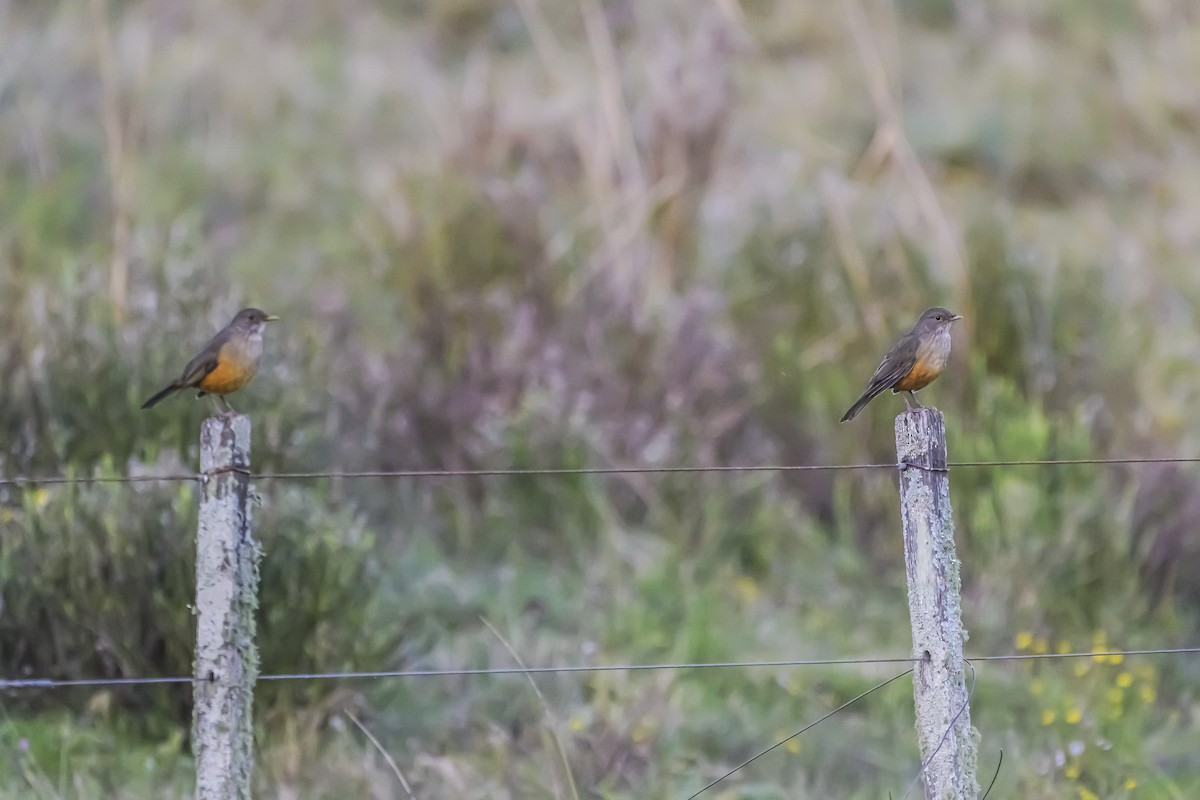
(593, 234)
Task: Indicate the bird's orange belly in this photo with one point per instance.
(229, 376)
(920, 376)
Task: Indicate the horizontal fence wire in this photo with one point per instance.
(33, 480)
(49, 683)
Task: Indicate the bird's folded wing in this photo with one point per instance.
(199, 367)
(893, 367)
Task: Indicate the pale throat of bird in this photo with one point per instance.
(251, 347)
(937, 348)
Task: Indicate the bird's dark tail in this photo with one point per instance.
(860, 404)
(165, 393)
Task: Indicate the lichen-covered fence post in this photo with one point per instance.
(947, 741)
(226, 601)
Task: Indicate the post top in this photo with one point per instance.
(225, 442)
(921, 438)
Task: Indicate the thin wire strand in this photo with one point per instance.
(47, 683)
(34, 683)
(24, 480)
(995, 775)
(49, 480)
(805, 729)
(1160, 651)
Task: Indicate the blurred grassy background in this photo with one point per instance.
(507, 233)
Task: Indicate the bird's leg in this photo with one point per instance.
(914, 399)
(907, 405)
(229, 412)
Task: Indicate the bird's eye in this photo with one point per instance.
(938, 317)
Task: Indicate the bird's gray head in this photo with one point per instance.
(252, 320)
(937, 318)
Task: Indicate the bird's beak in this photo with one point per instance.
(956, 318)
(272, 318)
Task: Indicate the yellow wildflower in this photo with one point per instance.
(747, 590)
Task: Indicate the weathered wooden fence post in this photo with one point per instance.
(948, 744)
(226, 601)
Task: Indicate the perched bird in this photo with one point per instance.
(914, 362)
(226, 363)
